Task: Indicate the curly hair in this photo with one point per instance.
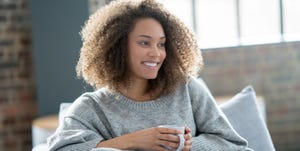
(103, 57)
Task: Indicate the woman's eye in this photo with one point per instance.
(144, 43)
(161, 45)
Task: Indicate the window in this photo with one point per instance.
(216, 23)
(181, 9)
(221, 23)
(291, 23)
(259, 21)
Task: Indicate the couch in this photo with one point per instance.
(242, 112)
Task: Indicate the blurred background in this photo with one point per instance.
(243, 42)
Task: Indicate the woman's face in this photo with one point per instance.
(146, 49)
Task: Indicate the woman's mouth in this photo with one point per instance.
(151, 64)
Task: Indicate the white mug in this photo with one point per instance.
(181, 136)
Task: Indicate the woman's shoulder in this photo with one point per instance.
(198, 90)
(196, 84)
(90, 100)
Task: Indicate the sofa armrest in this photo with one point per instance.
(63, 108)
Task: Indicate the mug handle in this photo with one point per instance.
(181, 143)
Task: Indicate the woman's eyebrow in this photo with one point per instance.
(147, 36)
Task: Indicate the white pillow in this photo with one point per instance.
(243, 114)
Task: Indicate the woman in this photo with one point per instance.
(141, 61)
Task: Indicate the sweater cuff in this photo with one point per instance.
(88, 145)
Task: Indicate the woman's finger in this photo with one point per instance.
(188, 143)
(169, 144)
(169, 137)
(160, 148)
(187, 130)
(187, 136)
(165, 130)
(187, 148)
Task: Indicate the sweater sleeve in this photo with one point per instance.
(77, 131)
(213, 130)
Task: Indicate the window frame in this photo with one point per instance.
(238, 22)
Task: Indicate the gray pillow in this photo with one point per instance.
(243, 114)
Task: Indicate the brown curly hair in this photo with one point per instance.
(103, 57)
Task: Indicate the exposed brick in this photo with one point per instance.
(8, 121)
(3, 99)
(3, 134)
(297, 87)
(24, 75)
(26, 96)
(11, 64)
(18, 18)
(7, 7)
(3, 18)
(17, 100)
(24, 53)
(298, 57)
(24, 5)
(10, 143)
(6, 42)
(25, 41)
(28, 118)
(274, 70)
(2, 76)
(11, 87)
(22, 131)
(13, 28)
(27, 144)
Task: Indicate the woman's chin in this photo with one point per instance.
(152, 77)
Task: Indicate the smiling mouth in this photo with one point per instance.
(151, 64)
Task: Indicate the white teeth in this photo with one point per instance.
(150, 64)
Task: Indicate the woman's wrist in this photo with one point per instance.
(122, 142)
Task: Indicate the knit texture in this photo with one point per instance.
(102, 115)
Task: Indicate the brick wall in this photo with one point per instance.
(17, 91)
(274, 72)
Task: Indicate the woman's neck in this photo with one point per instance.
(137, 90)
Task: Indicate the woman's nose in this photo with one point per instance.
(155, 52)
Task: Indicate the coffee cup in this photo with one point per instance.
(181, 135)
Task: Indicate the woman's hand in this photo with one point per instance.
(148, 139)
(156, 138)
(188, 140)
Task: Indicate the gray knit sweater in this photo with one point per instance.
(102, 115)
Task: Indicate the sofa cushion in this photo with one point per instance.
(63, 108)
(243, 114)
